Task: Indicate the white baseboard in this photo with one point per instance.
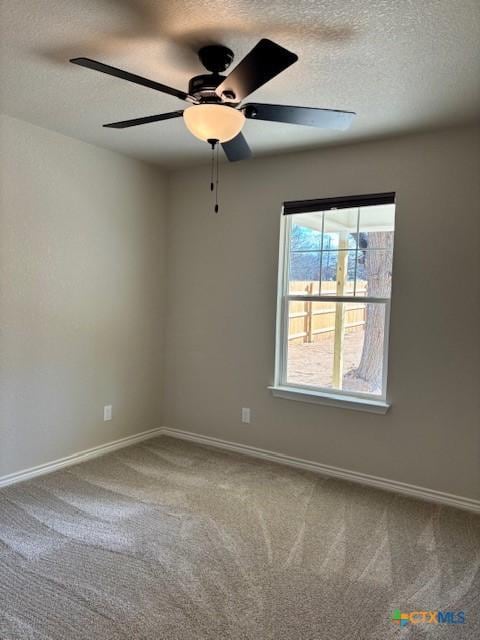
(431, 495)
(403, 488)
(75, 458)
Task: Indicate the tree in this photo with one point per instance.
(377, 265)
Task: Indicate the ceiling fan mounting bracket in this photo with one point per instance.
(215, 57)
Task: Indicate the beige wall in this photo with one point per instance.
(221, 309)
(83, 252)
(82, 257)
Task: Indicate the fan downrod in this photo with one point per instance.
(215, 57)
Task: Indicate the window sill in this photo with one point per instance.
(330, 399)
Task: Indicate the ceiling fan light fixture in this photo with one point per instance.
(213, 121)
(216, 113)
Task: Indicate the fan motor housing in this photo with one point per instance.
(203, 87)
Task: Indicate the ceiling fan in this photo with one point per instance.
(215, 113)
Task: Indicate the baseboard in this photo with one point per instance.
(386, 484)
(75, 458)
(431, 495)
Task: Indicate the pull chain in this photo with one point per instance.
(216, 185)
(212, 165)
(214, 171)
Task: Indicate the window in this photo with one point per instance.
(335, 275)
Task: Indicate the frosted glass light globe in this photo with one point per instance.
(213, 121)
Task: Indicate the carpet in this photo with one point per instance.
(171, 540)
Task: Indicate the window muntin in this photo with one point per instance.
(334, 300)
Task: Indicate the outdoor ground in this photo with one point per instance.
(312, 363)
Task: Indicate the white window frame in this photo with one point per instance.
(319, 395)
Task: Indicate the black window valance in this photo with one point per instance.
(344, 202)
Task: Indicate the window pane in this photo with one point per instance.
(304, 273)
(337, 346)
(342, 252)
(374, 273)
(378, 219)
(310, 343)
(363, 349)
(375, 249)
(340, 227)
(305, 246)
(338, 272)
(304, 237)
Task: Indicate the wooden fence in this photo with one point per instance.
(311, 321)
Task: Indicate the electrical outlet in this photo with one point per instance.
(107, 412)
(246, 415)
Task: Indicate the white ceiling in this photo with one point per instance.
(402, 65)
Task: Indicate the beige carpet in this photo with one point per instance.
(169, 540)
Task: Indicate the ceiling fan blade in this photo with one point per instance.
(123, 124)
(237, 148)
(309, 116)
(131, 77)
(264, 62)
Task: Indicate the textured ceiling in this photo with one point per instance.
(402, 65)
